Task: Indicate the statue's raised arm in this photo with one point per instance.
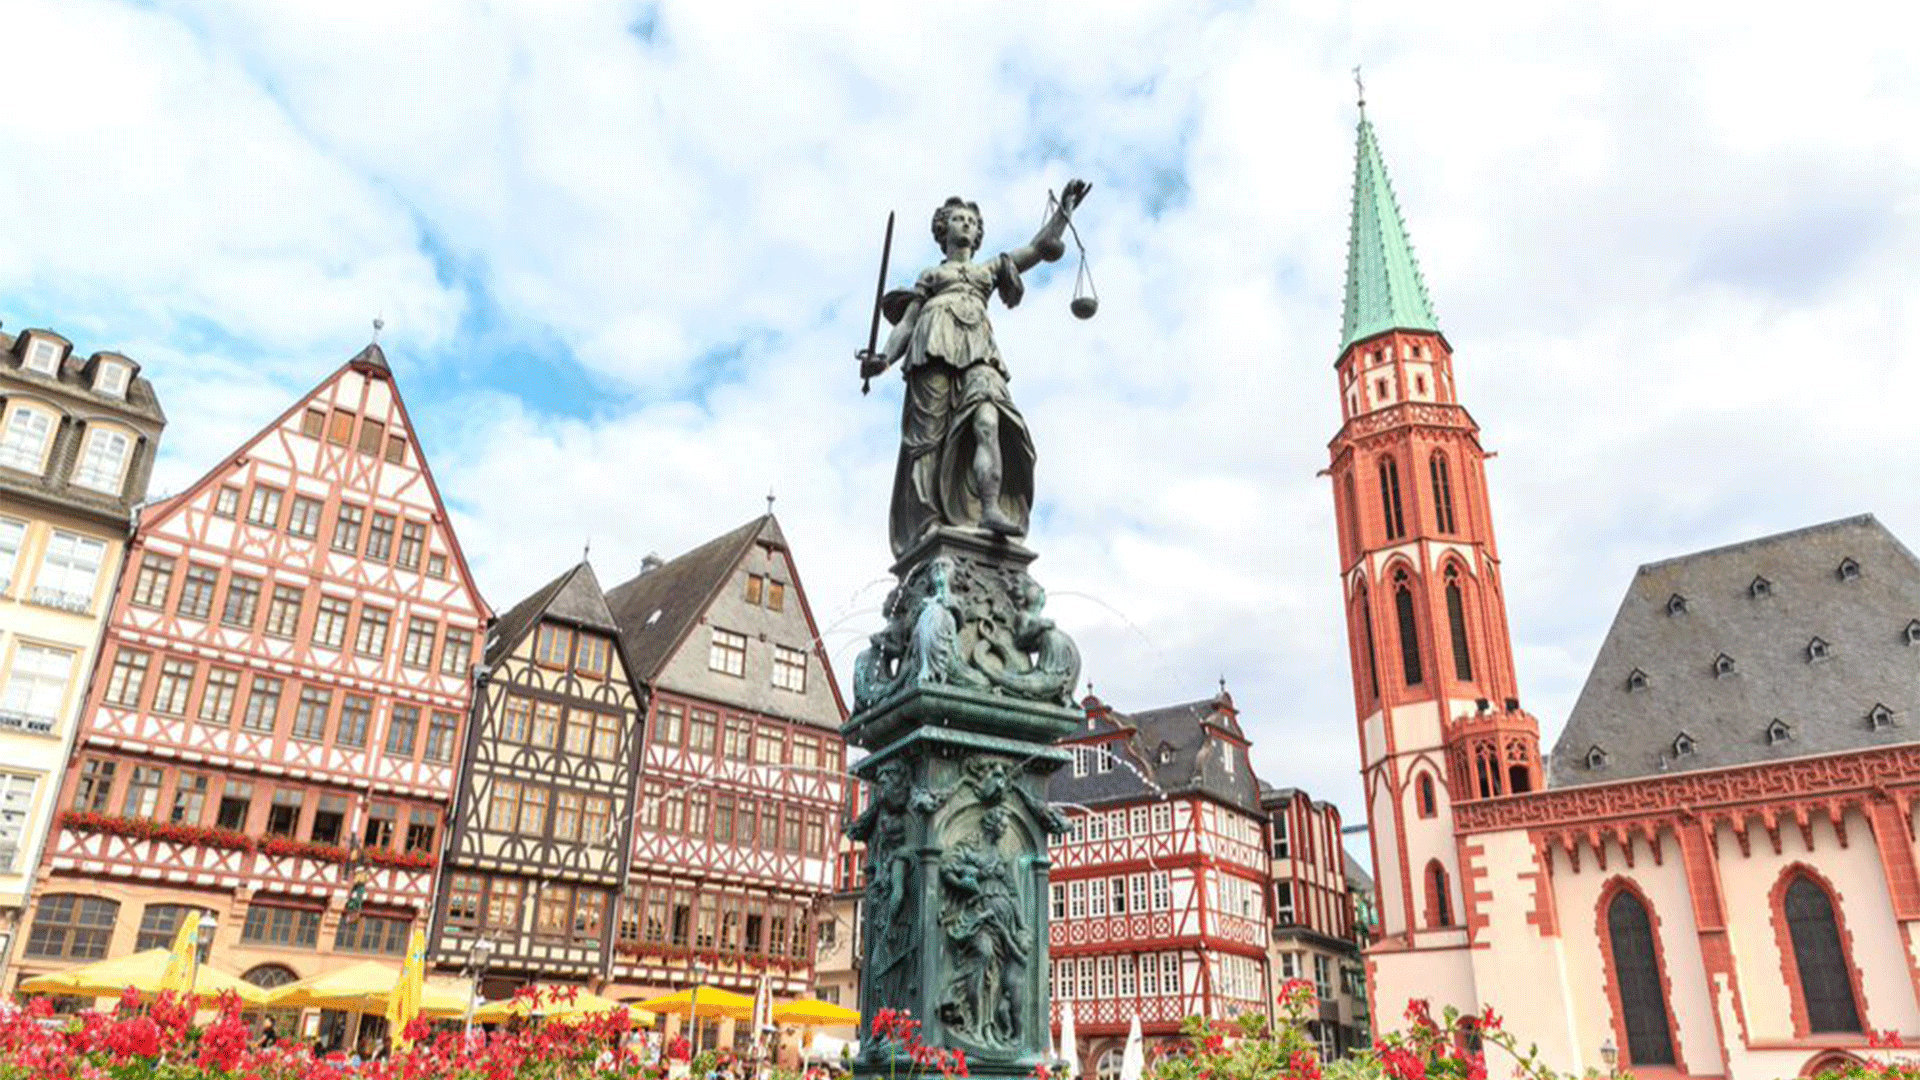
(1050, 242)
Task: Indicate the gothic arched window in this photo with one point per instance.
(1457, 626)
(1821, 961)
(1442, 492)
(1366, 630)
(1636, 971)
(1353, 515)
(1429, 803)
(1390, 499)
(1409, 630)
(1439, 902)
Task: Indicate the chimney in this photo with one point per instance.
(652, 562)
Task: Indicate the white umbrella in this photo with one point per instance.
(1069, 1051)
(1133, 1060)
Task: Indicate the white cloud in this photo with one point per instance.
(1674, 250)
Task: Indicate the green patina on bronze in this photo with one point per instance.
(1385, 290)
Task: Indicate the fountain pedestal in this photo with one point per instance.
(958, 702)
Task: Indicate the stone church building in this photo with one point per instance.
(1713, 871)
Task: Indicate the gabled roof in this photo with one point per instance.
(1385, 290)
(1849, 583)
(1194, 761)
(656, 609)
(574, 597)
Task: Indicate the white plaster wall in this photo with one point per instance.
(1540, 1006)
(1386, 848)
(1416, 726)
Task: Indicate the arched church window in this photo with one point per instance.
(1442, 492)
(1819, 958)
(1366, 630)
(1353, 515)
(1636, 972)
(1457, 626)
(1486, 769)
(1439, 900)
(1390, 499)
(1428, 799)
(1409, 630)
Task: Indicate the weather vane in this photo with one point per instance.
(379, 324)
(1360, 87)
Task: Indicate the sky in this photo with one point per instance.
(624, 254)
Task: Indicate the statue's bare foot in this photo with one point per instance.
(999, 524)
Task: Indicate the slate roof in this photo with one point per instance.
(73, 378)
(1357, 877)
(1191, 735)
(1385, 290)
(679, 591)
(1848, 583)
(573, 597)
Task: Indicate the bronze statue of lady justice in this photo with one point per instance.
(966, 457)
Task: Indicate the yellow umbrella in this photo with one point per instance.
(142, 971)
(713, 1001)
(178, 977)
(808, 1012)
(583, 1004)
(364, 987)
(403, 1004)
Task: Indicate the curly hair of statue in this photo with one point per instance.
(940, 216)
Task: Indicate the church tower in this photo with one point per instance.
(1439, 710)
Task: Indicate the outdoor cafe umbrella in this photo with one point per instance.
(547, 1004)
(363, 988)
(144, 972)
(403, 1002)
(713, 1001)
(809, 1012)
(184, 959)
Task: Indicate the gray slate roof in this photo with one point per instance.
(1860, 614)
(679, 591)
(574, 597)
(1190, 733)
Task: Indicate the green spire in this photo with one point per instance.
(1384, 288)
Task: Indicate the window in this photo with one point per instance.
(1879, 718)
(566, 816)
(515, 719)
(1097, 897)
(340, 427)
(44, 356)
(1683, 745)
(579, 739)
(95, 790)
(441, 732)
(275, 924)
(160, 922)
(463, 900)
(313, 422)
(196, 596)
(103, 461)
(370, 638)
(606, 736)
(1778, 731)
(236, 805)
(503, 806)
(378, 831)
(1439, 898)
(1819, 959)
(1848, 570)
(384, 935)
(417, 652)
(1162, 818)
(13, 537)
(264, 508)
(546, 725)
(1457, 627)
(1390, 499)
(403, 731)
(329, 820)
(728, 653)
(591, 655)
(1676, 605)
(1409, 629)
(413, 538)
(396, 449)
(127, 677)
(142, 799)
(263, 704)
(553, 645)
(437, 566)
(372, 434)
(283, 814)
(1442, 493)
(423, 826)
(1636, 972)
(356, 715)
(304, 520)
(789, 669)
(1170, 973)
(533, 811)
(1162, 885)
(217, 698)
(16, 798)
(242, 602)
(1428, 798)
(1636, 680)
(1760, 587)
(503, 902)
(1818, 649)
(738, 743)
(346, 528)
(702, 729)
(457, 652)
(283, 614)
(68, 927)
(330, 625)
(154, 580)
(310, 716)
(1103, 762)
(596, 823)
(170, 691)
(68, 571)
(380, 537)
(1283, 903)
(23, 442)
(189, 799)
(756, 589)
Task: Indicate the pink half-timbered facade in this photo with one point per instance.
(278, 706)
(1158, 894)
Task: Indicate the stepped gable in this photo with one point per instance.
(657, 608)
(1814, 628)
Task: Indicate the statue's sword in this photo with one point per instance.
(879, 290)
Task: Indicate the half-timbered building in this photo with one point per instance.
(281, 695)
(1311, 898)
(742, 786)
(77, 442)
(1158, 893)
(542, 818)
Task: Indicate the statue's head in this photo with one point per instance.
(890, 777)
(993, 824)
(959, 219)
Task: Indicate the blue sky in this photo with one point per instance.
(624, 254)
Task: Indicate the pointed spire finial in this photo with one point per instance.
(1360, 88)
(379, 324)
(586, 549)
(769, 500)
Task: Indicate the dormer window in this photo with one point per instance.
(1676, 604)
(1879, 718)
(43, 356)
(1636, 680)
(1818, 649)
(1778, 732)
(1596, 758)
(24, 438)
(1913, 632)
(1760, 587)
(1847, 570)
(111, 379)
(1722, 666)
(1166, 754)
(1683, 745)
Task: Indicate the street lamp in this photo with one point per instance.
(203, 949)
(1609, 1054)
(693, 1003)
(477, 970)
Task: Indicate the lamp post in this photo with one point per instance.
(203, 949)
(693, 1003)
(477, 970)
(1609, 1055)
